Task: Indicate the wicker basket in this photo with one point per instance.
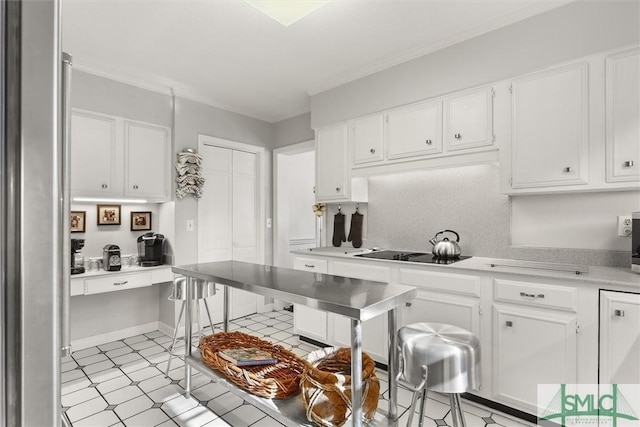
(326, 387)
(279, 380)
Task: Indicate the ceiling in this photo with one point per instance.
(228, 54)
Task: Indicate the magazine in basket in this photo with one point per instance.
(247, 356)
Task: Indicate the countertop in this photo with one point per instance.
(124, 270)
(354, 298)
(602, 276)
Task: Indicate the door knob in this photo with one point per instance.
(457, 136)
(428, 141)
(373, 151)
(104, 185)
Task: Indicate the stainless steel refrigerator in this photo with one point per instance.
(34, 252)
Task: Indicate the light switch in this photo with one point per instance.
(190, 225)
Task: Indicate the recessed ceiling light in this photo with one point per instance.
(287, 12)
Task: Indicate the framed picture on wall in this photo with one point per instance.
(108, 214)
(140, 221)
(77, 221)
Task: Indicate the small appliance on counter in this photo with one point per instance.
(150, 249)
(111, 257)
(77, 260)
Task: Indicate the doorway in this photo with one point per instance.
(295, 225)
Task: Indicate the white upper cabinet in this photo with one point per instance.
(414, 131)
(331, 163)
(116, 157)
(550, 128)
(146, 160)
(367, 139)
(468, 121)
(623, 116)
(93, 155)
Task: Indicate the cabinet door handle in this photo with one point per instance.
(618, 313)
(428, 141)
(120, 283)
(310, 266)
(524, 294)
(457, 136)
(509, 324)
(568, 169)
(407, 304)
(372, 151)
(104, 186)
(135, 186)
(337, 189)
(628, 164)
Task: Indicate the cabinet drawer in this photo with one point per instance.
(358, 270)
(117, 283)
(444, 282)
(310, 264)
(161, 275)
(536, 294)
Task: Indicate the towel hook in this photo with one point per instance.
(339, 209)
(357, 207)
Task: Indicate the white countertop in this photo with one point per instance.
(602, 276)
(123, 270)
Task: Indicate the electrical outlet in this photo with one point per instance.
(624, 226)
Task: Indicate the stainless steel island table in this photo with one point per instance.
(357, 299)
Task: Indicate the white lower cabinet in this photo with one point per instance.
(619, 338)
(532, 344)
(307, 321)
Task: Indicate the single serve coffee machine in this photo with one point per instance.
(150, 249)
(111, 257)
(77, 260)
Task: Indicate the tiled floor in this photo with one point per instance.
(123, 384)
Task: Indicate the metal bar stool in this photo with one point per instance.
(438, 357)
(201, 291)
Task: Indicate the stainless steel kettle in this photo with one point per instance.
(446, 248)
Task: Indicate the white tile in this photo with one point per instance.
(133, 407)
(150, 417)
(176, 362)
(166, 393)
(65, 359)
(120, 351)
(72, 375)
(197, 381)
(163, 339)
(255, 327)
(122, 395)
(179, 405)
(111, 346)
(218, 422)
(470, 420)
(74, 385)
(151, 350)
(224, 403)
(243, 416)
(157, 358)
(90, 360)
(475, 408)
(177, 373)
(509, 421)
(114, 384)
(86, 409)
(142, 345)
(282, 335)
(271, 322)
(133, 340)
(106, 375)
(169, 423)
(68, 366)
(154, 383)
(126, 358)
(208, 391)
(260, 318)
(136, 365)
(104, 418)
(97, 367)
(269, 330)
(266, 422)
(196, 417)
(243, 322)
(155, 334)
(86, 352)
(79, 396)
(144, 374)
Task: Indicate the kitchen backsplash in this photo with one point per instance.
(406, 210)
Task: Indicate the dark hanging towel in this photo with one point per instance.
(355, 233)
(339, 234)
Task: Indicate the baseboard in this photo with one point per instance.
(267, 308)
(108, 337)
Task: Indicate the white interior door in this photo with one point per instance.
(228, 218)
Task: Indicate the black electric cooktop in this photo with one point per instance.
(420, 257)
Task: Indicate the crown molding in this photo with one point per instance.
(439, 44)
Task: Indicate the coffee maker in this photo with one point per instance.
(77, 260)
(150, 249)
(111, 257)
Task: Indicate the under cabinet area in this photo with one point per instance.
(117, 157)
(619, 338)
(534, 340)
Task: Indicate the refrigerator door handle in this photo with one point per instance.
(65, 204)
